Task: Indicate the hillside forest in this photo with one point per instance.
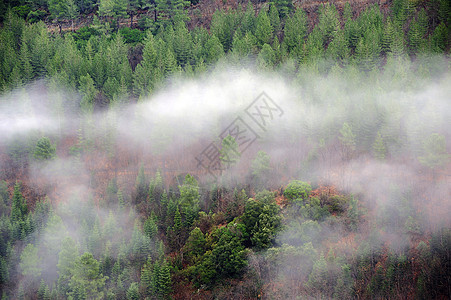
(206, 149)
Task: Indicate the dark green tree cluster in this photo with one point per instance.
(271, 37)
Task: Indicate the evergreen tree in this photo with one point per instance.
(434, 151)
(189, 193)
(19, 207)
(283, 6)
(182, 44)
(87, 281)
(145, 70)
(347, 138)
(30, 261)
(133, 292)
(214, 50)
(260, 168)
(62, 9)
(150, 228)
(266, 58)
(230, 152)
(248, 23)
(379, 147)
(164, 280)
(264, 29)
(141, 187)
(351, 27)
(328, 22)
(223, 28)
(44, 149)
(295, 30)
(274, 18)
(417, 32)
(132, 8)
(88, 92)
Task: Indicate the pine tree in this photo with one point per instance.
(41, 289)
(417, 32)
(328, 22)
(88, 92)
(132, 8)
(141, 187)
(164, 280)
(434, 152)
(274, 18)
(19, 207)
(264, 29)
(223, 28)
(266, 58)
(182, 44)
(379, 147)
(295, 30)
(145, 70)
(87, 281)
(133, 291)
(352, 29)
(25, 59)
(214, 50)
(150, 228)
(120, 199)
(30, 261)
(283, 6)
(146, 277)
(248, 23)
(155, 280)
(44, 149)
(348, 140)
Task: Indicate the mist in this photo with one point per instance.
(169, 129)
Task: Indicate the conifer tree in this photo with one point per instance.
(19, 207)
(295, 30)
(264, 29)
(379, 147)
(150, 228)
(283, 6)
(30, 261)
(44, 149)
(274, 18)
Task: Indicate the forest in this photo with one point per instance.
(206, 149)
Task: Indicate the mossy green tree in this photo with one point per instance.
(44, 149)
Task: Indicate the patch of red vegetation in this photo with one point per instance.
(328, 190)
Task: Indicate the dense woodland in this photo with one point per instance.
(86, 212)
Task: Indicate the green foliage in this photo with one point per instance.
(19, 208)
(264, 29)
(86, 280)
(131, 36)
(328, 22)
(379, 147)
(21, 11)
(4, 198)
(434, 151)
(133, 292)
(261, 219)
(295, 30)
(30, 261)
(44, 149)
(66, 263)
(297, 189)
(229, 152)
(150, 228)
(260, 168)
(313, 210)
(348, 140)
(283, 6)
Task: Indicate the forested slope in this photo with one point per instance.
(343, 194)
